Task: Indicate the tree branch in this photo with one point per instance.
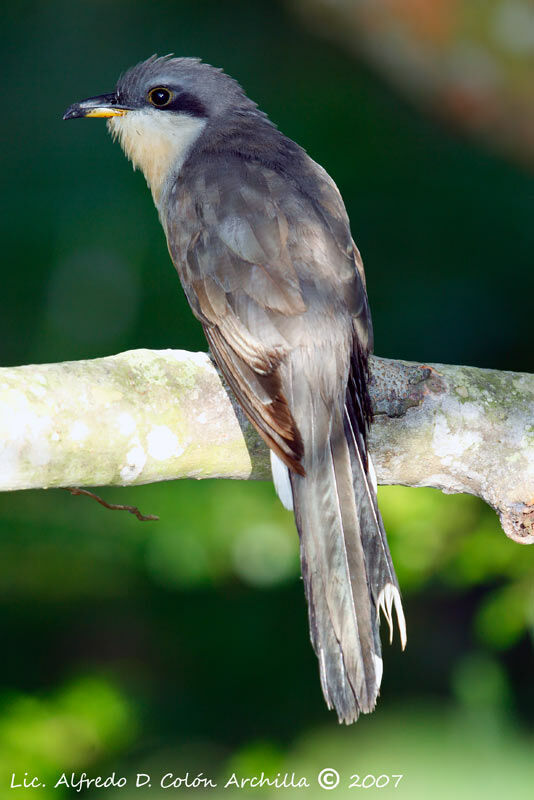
(145, 416)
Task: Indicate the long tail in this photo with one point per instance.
(346, 564)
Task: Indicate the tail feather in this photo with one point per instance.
(346, 566)
(333, 624)
(380, 571)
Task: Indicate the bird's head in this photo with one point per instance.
(159, 109)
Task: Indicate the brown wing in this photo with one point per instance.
(262, 400)
(262, 265)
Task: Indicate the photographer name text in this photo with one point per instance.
(327, 779)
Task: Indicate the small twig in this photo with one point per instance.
(74, 490)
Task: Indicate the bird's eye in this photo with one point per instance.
(160, 97)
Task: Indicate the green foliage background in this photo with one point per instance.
(183, 645)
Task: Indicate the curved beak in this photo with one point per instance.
(104, 105)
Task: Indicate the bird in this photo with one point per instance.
(260, 238)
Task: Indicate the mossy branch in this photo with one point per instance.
(145, 416)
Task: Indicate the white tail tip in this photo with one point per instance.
(389, 597)
(281, 481)
(379, 669)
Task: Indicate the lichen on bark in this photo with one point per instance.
(145, 416)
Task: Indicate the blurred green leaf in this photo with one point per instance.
(505, 614)
(83, 722)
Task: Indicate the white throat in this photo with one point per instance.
(156, 142)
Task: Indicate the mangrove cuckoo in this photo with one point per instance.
(260, 238)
